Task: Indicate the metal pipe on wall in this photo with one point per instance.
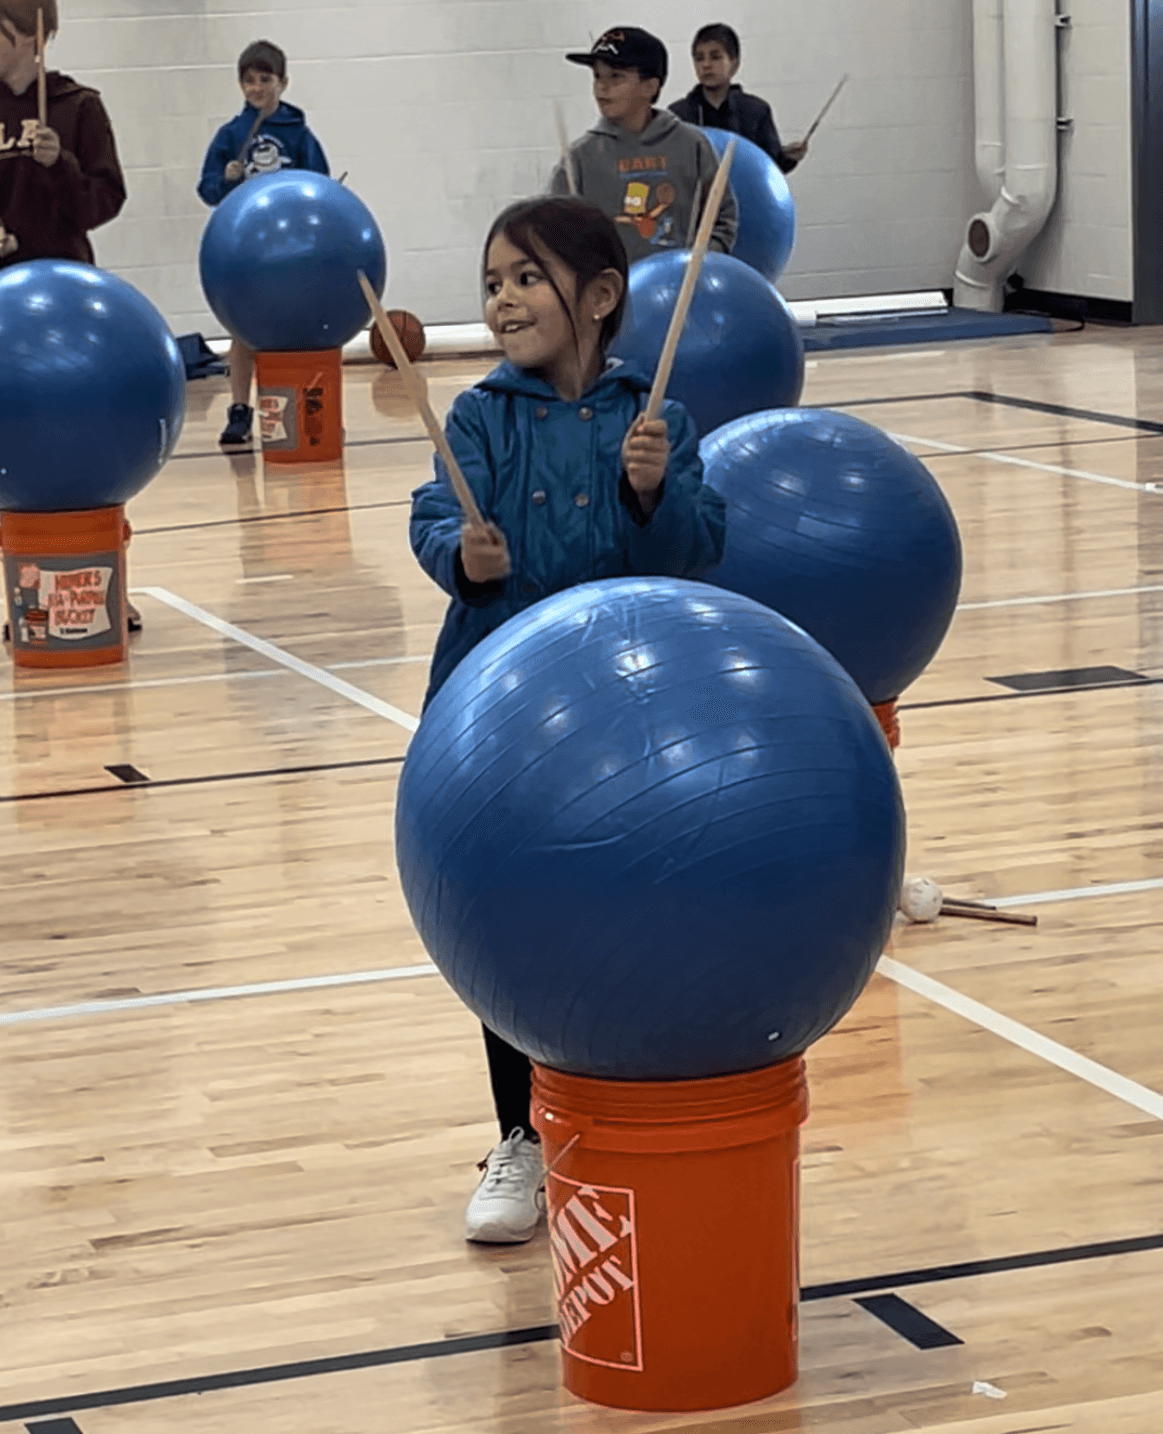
(996, 240)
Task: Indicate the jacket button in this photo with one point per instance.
(539, 496)
(582, 500)
(585, 414)
(541, 412)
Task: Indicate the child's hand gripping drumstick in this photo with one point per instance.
(483, 547)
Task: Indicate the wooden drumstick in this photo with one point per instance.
(563, 142)
(416, 393)
(976, 913)
(832, 98)
(687, 292)
(41, 78)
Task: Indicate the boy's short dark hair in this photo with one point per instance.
(260, 55)
(19, 17)
(723, 34)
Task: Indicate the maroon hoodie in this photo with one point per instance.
(51, 210)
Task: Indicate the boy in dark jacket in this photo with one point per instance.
(57, 180)
(717, 103)
(268, 135)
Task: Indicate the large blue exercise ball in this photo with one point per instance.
(649, 830)
(740, 351)
(279, 260)
(92, 387)
(767, 213)
(836, 526)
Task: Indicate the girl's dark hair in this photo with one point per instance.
(723, 34)
(574, 231)
(262, 55)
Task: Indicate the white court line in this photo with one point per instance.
(1059, 597)
(1021, 462)
(215, 993)
(285, 659)
(23, 694)
(1129, 1091)
(1080, 893)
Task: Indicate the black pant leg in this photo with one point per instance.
(511, 1074)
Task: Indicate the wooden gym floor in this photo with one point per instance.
(239, 1118)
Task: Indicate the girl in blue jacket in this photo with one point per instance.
(575, 485)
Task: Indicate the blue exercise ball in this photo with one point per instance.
(740, 351)
(650, 830)
(839, 528)
(279, 260)
(767, 212)
(93, 385)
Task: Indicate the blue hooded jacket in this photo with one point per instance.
(549, 474)
(281, 141)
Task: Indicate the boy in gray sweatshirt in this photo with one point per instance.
(645, 168)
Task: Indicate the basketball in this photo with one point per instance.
(411, 334)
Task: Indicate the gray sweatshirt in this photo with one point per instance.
(652, 185)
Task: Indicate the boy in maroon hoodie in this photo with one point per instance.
(60, 179)
(57, 180)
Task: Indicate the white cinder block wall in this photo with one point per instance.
(442, 112)
(1087, 247)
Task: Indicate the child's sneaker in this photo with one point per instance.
(238, 422)
(510, 1200)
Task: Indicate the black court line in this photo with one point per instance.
(542, 1334)
(54, 1426)
(276, 517)
(126, 773)
(1022, 696)
(1069, 677)
(148, 784)
(908, 1321)
(1058, 410)
(247, 452)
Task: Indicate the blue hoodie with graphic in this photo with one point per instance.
(263, 146)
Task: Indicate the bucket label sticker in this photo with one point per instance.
(277, 415)
(67, 604)
(595, 1269)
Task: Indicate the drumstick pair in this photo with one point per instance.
(653, 408)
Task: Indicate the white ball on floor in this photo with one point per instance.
(921, 898)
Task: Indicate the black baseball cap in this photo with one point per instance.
(627, 48)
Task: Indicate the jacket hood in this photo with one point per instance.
(696, 95)
(57, 85)
(508, 378)
(662, 123)
(285, 115)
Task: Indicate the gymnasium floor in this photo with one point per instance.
(239, 1117)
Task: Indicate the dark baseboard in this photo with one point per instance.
(1076, 307)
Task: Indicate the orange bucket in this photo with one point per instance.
(673, 1224)
(64, 574)
(300, 405)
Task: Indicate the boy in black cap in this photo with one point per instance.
(716, 102)
(642, 166)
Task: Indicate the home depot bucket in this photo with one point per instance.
(64, 575)
(300, 405)
(673, 1223)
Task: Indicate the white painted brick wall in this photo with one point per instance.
(1088, 245)
(442, 112)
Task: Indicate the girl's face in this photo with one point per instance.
(523, 311)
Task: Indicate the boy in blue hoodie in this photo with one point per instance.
(267, 136)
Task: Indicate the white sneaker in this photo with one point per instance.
(510, 1199)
